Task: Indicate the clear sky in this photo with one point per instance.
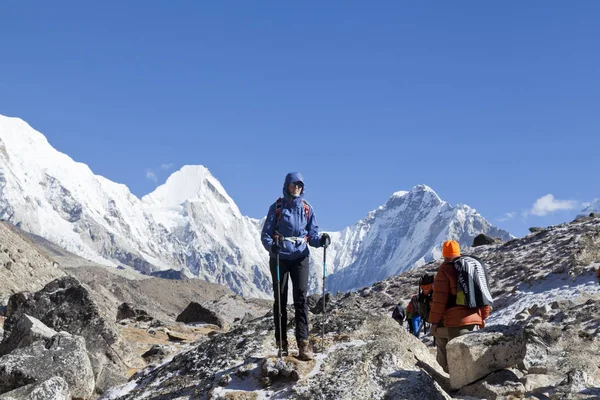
(494, 105)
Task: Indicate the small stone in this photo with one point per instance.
(266, 381)
(225, 380)
(538, 370)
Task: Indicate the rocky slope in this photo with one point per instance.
(546, 294)
(22, 265)
(35, 287)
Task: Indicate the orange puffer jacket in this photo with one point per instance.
(444, 287)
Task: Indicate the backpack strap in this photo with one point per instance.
(279, 206)
(306, 209)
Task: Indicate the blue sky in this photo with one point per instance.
(491, 105)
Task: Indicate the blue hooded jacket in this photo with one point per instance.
(292, 224)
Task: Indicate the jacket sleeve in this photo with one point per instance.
(441, 291)
(312, 229)
(268, 228)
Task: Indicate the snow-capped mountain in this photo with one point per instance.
(191, 224)
(404, 233)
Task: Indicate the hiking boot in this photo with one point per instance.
(304, 351)
(284, 349)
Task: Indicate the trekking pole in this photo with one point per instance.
(324, 300)
(278, 302)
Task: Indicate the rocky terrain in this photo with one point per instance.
(70, 327)
(88, 331)
(22, 266)
(541, 341)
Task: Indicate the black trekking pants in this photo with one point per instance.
(298, 271)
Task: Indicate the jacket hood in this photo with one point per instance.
(290, 178)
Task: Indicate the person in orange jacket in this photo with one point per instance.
(448, 320)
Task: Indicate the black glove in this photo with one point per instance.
(325, 240)
(275, 248)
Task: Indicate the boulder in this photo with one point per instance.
(127, 311)
(318, 308)
(312, 300)
(55, 388)
(482, 239)
(26, 331)
(197, 313)
(156, 353)
(539, 383)
(66, 305)
(478, 354)
(496, 386)
(63, 355)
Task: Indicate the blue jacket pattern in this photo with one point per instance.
(292, 224)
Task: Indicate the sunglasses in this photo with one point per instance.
(297, 184)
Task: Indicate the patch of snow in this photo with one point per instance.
(553, 287)
(120, 391)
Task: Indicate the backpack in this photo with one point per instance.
(472, 289)
(413, 306)
(398, 314)
(279, 205)
(425, 295)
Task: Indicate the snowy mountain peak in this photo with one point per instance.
(15, 129)
(419, 195)
(190, 183)
(399, 193)
(425, 190)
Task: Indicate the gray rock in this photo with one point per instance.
(318, 308)
(540, 382)
(197, 313)
(496, 386)
(482, 239)
(174, 336)
(65, 305)
(55, 388)
(477, 354)
(127, 311)
(156, 353)
(25, 331)
(64, 355)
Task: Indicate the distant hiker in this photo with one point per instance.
(417, 311)
(425, 298)
(288, 230)
(399, 315)
(413, 316)
(598, 274)
(448, 319)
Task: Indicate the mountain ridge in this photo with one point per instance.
(190, 222)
